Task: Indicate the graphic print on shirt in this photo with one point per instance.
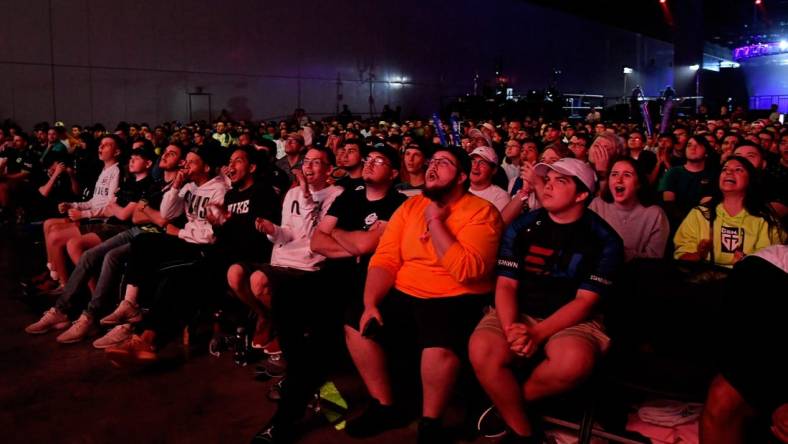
(196, 205)
(102, 186)
(370, 220)
(241, 207)
(731, 239)
(546, 261)
(314, 215)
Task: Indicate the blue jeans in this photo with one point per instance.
(110, 255)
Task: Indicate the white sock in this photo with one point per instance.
(53, 274)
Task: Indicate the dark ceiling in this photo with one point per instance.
(728, 23)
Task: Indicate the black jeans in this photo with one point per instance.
(150, 252)
(308, 320)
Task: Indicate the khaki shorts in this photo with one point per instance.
(592, 331)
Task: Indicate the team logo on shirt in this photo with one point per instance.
(546, 261)
(538, 259)
(731, 239)
(370, 219)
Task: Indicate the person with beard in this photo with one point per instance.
(450, 236)
(347, 236)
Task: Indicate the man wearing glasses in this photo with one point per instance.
(578, 144)
(293, 265)
(347, 235)
(426, 285)
(294, 147)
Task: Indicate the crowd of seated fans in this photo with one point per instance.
(493, 250)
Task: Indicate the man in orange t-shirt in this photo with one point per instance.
(430, 277)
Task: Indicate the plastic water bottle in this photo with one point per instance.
(240, 347)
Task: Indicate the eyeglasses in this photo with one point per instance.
(376, 161)
(313, 162)
(440, 162)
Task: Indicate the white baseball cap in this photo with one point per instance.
(570, 167)
(486, 153)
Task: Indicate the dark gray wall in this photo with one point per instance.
(83, 61)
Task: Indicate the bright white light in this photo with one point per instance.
(694, 67)
(397, 82)
(783, 45)
(628, 70)
(712, 66)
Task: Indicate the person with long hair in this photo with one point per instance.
(735, 223)
(627, 205)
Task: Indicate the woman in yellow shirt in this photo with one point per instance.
(740, 220)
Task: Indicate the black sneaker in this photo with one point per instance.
(431, 432)
(275, 433)
(513, 438)
(375, 420)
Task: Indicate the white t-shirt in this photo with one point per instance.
(493, 194)
(512, 171)
(776, 254)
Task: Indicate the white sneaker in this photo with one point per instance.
(51, 319)
(79, 330)
(114, 337)
(127, 312)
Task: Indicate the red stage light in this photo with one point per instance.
(662, 1)
(757, 2)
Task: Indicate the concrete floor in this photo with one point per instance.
(72, 394)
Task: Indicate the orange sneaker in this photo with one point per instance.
(138, 349)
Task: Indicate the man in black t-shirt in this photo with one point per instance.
(237, 238)
(555, 264)
(349, 233)
(310, 325)
(350, 161)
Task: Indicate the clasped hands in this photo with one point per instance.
(524, 340)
